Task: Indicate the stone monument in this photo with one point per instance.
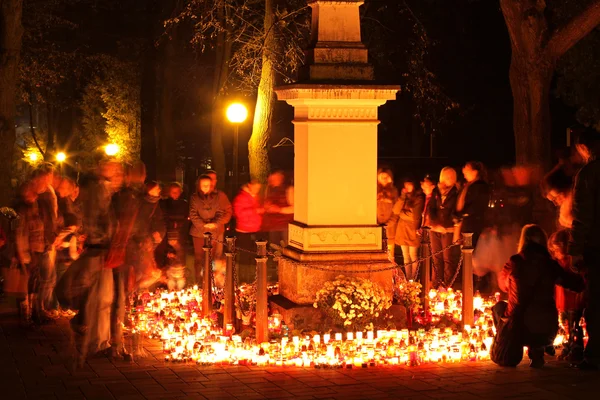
(335, 166)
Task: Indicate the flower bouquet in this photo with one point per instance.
(353, 303)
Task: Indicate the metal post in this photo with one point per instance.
(262, 313)
(207, 280)
(467, 279)
(235, 159)
(426, 271)
(229, 307)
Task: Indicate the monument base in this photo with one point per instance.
(302, 275)
(306, 317)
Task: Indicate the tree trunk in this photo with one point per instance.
(222, 59)
(11, 32)
(535, 51)
(167, 142)
(258, 151)
(531, 114)
(148, 115)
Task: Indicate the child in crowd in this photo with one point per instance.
(569, 304)
(175, 271)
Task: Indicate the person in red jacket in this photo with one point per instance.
(248, 214)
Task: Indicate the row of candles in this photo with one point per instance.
(174, 318)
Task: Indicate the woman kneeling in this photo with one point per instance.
(530, 317)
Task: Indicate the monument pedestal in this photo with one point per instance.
(302, 275)
(335, 164)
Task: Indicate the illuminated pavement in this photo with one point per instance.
(36, 365)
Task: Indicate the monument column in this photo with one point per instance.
(335, 166)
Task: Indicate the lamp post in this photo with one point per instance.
(60, 157)
(236, 114)
(111, 149)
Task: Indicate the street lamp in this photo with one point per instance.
(61, 157)
(111, 149)
(236, 114)
(33, 157)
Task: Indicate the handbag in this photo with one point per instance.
(15, 281)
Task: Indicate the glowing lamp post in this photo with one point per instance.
(236, 114)
(60, 157)
(33, 157)
(111, 150)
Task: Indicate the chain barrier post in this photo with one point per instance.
(207, 281)
(262, 313)
(467, 279)
(426, 272)
(229, 297)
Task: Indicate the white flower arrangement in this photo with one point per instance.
(355, 303)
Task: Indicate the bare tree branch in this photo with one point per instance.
(567, 36)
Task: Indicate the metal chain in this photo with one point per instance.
(394, 265)
(217, 293)
(457, 271)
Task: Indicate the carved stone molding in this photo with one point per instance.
(323, 239)
(329, 113)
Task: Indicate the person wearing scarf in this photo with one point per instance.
(441, 209)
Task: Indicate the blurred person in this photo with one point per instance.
(248, 213)
(279, 208)
(44, 177)
(210, 210)
(559, 190)
(87, 285)
(530, 317)
(473, 201)
(387, 196)
(441, 212)
(30, 246)
(122, 256)
(406, 221)
(148, 232)
(175, 212)
(584, 247)
(569, 304)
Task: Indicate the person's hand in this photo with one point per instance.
(274, 209)
(157, 237)
(438, 229)
(576, 262)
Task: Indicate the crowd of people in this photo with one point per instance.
(85, 246)
(447, 208)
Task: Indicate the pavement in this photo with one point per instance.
(37, 364)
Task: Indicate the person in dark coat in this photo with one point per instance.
(441, 212)
(210, 210)
(406, 221)
(387, 196)
(529, 279)
(584, 247)
(473, 201)
(175, 212)
(148, 232)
